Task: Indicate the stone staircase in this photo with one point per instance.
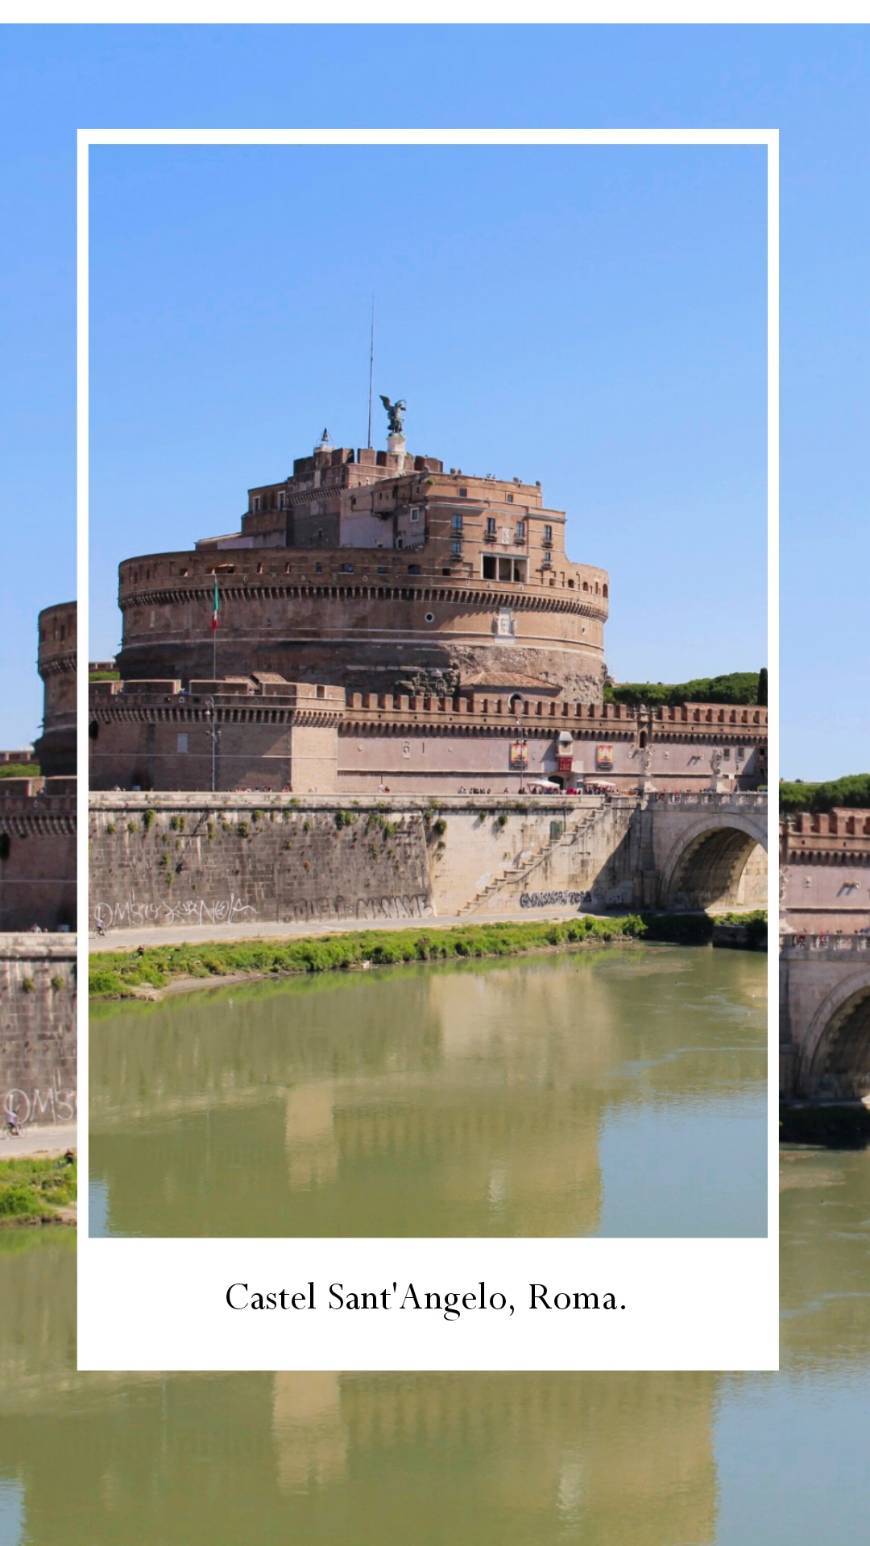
(577, 831)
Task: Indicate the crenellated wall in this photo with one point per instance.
(825, 871)
(38, 1027)
(264, 733)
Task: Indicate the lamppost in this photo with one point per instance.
(211, 716)
(520, 741)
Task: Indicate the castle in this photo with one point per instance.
(377, 571)
(37, 815)
(379, 624)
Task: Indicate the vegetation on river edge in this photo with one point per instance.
(116, 974)
(36, 1188)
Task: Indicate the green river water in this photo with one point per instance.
(615, 1092)
(473, 1459)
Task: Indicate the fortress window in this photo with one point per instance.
(490, 526)
(463, 493)
(429, 617)
(456, 548)
(255, 502)
(413, 568)
(5, 845)
(457, 522)
(548, 536)
(520, 532)
(414, 513)
(509, 498)
(181, 741)
(347, 568)
(488, 563)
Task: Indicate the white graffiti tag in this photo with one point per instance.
(21, 1106)
(132, 914)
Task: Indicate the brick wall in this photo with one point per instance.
(37, 1027)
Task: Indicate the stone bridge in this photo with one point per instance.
(706, 851)
(825, 1017)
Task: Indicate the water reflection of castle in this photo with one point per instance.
(437, 1099)
(186, 1460)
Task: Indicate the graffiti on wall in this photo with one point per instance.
(53, 1105)
(301, 909)
(131, 914)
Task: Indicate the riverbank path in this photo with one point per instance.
(229, 933)
(46, 1142)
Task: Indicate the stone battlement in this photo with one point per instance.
(813, 837)
(716, 721)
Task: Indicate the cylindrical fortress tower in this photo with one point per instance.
(56, 748)
(379, 572)
(367, 620)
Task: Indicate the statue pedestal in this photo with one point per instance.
(397, 445)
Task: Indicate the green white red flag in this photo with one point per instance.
(215, 607)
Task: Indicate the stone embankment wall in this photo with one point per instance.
(164, 860)
(38, 1027)
(161, 860)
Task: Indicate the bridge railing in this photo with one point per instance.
(834, 944)
(736, 799)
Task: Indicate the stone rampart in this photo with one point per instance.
(174, 859)
(38, 1027)
(160, 860)
(262, 732)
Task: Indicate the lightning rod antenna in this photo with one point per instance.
(371, 370)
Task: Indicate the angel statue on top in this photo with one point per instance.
(394, 414)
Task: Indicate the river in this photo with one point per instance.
(615, 1092)
(480, 1459)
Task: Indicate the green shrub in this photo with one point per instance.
(734, 687)
(148, 819)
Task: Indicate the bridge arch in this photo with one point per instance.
(718, 862)
(835, 1056)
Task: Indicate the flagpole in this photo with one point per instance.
(371, 371)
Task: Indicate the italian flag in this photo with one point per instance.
(215, 607)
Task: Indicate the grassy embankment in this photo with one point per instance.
(35, 1189)
(117, 974)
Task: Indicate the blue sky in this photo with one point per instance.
(645, 421)
(590, 317)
